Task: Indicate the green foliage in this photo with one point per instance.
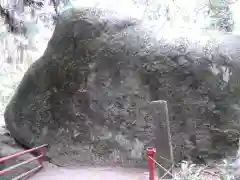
(221, 19)
(221, 16)
(226, 170)
(19, 52)
(188, 171)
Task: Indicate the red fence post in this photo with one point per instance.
(150, 155)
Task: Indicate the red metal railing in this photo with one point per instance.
(39, 158)
(150, 154)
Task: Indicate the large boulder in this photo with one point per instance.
(84, 94)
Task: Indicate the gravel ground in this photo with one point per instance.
(52, 172)
(83, 173)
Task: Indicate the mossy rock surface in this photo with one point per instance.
(85, 95)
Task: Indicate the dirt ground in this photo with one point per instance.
(109, 173)
(51, 172)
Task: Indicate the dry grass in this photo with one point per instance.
(188, 171)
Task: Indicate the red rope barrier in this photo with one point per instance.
(39, 158)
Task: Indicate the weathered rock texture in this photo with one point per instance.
(86, 95)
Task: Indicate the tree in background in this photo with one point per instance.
(221, 15)
(21, 23)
